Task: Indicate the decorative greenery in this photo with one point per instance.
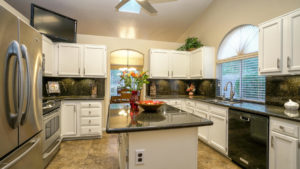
(191, 43)
(134, 81)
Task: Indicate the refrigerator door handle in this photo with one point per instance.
(28, 79)
(34, 143)
(13, 116)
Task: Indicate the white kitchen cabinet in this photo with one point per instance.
(218, 132)
(69, 59)
(203, 131)
(48, 56)
(179, 64)
(284, 144)
(94, 61)
(69, 120)
(292, 22)
(159, 64)
(172, 64)
(271, 46)
(215, 135)
(279, 39)
(202, 63)
(283, 152)
(81, 119)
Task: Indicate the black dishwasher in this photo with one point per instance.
(248, 139)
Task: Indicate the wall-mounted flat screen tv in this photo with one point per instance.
(57, 27)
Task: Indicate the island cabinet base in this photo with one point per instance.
(161, 149)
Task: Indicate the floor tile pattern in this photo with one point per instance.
(103, 154)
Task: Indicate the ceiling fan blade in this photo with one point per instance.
(147, 6)
(121, 4)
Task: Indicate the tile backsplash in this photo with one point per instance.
(178, 87)
(282, 88)
(76, 86)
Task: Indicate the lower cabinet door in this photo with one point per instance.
(284, 152)
(69, 120)
(218, 133)
(203, 130)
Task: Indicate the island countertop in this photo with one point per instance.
(121, 120)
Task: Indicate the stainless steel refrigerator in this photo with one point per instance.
(20, 94)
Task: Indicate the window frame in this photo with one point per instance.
(239, 57)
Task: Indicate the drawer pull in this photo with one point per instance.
(272, 141)
(90, 121)
(90, 112)
(90, 130)
(281, 127)
(89, 105)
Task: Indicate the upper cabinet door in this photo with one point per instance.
(94, 62)
(293, 42)
(180, 61)
(159, 64)
(271, 46)
(196, 64)
(69, 56)
(48, 56)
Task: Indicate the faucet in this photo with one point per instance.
(231, 90)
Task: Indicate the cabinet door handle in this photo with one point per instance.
(168, 73)
(78, 70)
(74, 109)
(172, 73)
(84, 71)
(278, 62)
(272, 141)
(288, 62)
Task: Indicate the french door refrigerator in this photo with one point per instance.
(20, 94)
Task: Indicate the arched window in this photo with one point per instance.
(123, 60)
(238, 63)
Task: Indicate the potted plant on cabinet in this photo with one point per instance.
(134, 82)
(191, 43)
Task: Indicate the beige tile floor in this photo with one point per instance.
(103, 154)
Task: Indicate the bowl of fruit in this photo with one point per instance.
(150, 105)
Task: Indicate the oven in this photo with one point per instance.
(52, 131)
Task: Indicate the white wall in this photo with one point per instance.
(223, 15)
(14, 11)
(113, 44)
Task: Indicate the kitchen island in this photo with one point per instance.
(166, 139)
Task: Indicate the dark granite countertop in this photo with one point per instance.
(121, 120)
(256, 108)
(73, 98)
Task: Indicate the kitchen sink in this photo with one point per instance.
(224, 101)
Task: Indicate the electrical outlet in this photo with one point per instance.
(139, 157)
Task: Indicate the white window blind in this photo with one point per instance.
(253, 86)
(248, 85)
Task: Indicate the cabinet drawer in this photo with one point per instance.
(90, 121)
(284, 127)
(202, 106)
(90, 105)
(189, 103)
(93, 112)
(90, 130)
(218, 110)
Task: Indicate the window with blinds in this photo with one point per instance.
(243, 74)
(240, 68)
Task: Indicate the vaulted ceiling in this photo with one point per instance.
(99, 17)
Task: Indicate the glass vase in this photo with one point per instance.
(134, 98)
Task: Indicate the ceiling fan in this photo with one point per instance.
(144, 4)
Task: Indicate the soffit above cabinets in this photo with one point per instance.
(99, 17)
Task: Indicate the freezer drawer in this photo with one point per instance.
(28, 155)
